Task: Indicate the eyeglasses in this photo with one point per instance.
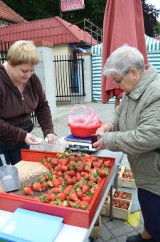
(119, 81)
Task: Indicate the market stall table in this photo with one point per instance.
(68, 233)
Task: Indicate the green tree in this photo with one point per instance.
(150, 14)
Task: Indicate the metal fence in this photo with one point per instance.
(4, 46)
(69, 77)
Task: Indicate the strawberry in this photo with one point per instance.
(84, 174)
(64, 161)
(27, 190)
(55, 190)
(44, 185)
(42, 178)
(68, 189)
(44, 198)
(50, 183)
(79, 194)
(37, 186)
(84, 205)
(85, 188)
(75, 204)
(72, 173)
(65, 203)
(61, 196)
(64, 168)
(73, 196)
(87, 199)
(107, 163)
(56, 183)
(97, 163)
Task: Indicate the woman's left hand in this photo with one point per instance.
(52, 138)
(99, 145)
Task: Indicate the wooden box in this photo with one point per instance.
(125, 182)
(96, 231)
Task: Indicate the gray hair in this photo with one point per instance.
(122, 59)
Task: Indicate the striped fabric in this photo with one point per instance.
(153, 51)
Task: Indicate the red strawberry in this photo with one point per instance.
(61, 196)
(79, 194)
(73, 196)
(55, 190)
(84, 205)
(44, 185)
(72, 173)
(27, 190)
(50, 183)
(85, 189)
(37, 186)
(87, 199)
(107, 163)
(65, 203)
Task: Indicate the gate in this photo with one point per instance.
(4, 46)
(69, 78)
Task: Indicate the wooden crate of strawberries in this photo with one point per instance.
(121, 205)
(125, 178)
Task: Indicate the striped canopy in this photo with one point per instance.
(153, 53)
(152, 44)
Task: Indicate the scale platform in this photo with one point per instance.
(79, 144)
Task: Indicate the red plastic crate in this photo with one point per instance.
(72, 216)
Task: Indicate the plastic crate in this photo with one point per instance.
(72, 216)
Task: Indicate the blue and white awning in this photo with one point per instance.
(153, 52)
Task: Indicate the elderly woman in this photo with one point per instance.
(135, 130)
(21, 93)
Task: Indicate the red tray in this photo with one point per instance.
(76, 217)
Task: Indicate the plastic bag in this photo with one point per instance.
(81, 115)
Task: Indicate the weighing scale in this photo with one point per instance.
(79, 144)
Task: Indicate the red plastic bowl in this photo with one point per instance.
(84, 131)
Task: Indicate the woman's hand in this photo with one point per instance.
(99, 145)
(31, 140)
(52, 138)
(106, 127)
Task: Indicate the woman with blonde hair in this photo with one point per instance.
(21, 93)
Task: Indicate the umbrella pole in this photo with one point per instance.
(117, 101)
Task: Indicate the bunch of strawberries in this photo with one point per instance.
(72, 180)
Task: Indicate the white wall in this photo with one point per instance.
(87, 77)
(45, 72)
(62, 50)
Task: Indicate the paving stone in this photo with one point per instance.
(106, 234)
(122, 230)
(121, 238)
(115, 223)
(112, 240)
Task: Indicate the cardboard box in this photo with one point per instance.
(125, 182)
(96, 231)
(72, 216)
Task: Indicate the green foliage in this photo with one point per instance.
(150, 14)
